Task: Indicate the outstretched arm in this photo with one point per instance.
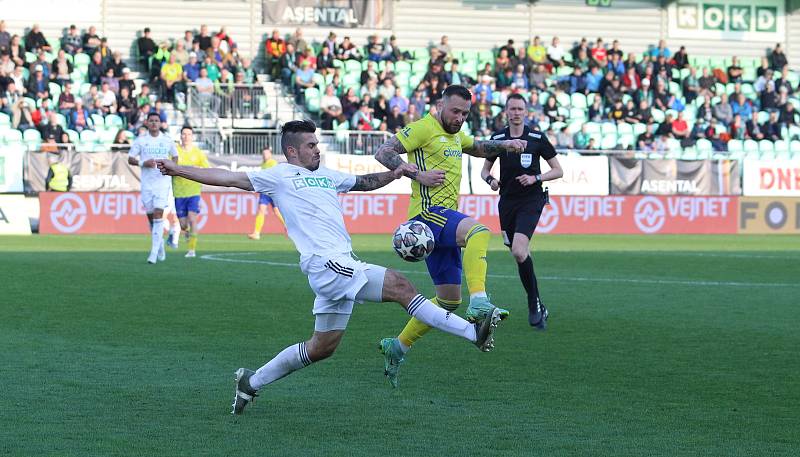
(374, 181)
(491, 148)
(388, 154)
(210, 176)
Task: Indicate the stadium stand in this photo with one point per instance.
(589, 96)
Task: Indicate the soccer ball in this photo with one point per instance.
(413, 241)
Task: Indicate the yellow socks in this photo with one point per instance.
(477, 243)
(415, 329)
(192, 243)
(259, 223)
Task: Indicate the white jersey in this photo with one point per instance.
(309, 203)
(146, 147)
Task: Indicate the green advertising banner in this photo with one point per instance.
(727, 20)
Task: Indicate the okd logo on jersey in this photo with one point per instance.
(68, 213)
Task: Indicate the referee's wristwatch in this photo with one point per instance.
(538, 178)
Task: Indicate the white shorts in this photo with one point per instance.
(157, 198)
(340, 281)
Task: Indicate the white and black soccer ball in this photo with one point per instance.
(413, 241)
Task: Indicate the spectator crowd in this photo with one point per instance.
(579, 96)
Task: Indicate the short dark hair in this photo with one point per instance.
(186, 127)
(516, 97)
(292, 129)
(457, 90)
(152, 113)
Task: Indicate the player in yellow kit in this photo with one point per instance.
(263, 199)
(187, 193)
(435, 144)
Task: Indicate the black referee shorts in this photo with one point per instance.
(520, 216)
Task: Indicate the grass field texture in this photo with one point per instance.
(660, 345)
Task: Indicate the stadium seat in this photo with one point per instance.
(626, 140)
(402, 67)
(575, 125)
(750, 146)
(658, 115)
(352, 66)
(577, 114)
(112, 120)
(689, 155)
(766, 146)
(312, 96)
(563, 99)
(607, 128)
(12, 136)
(735, 146)
(578, 100)
(638, 129)
(97, 120)
(609, 141)
(703, 145)
(81, 60)
(5, 120)
(592, 127)
(762, 117)
(73, 136)
(780, 146)
(794, 146)
(30, 135)
(783, 155)
(88, 136)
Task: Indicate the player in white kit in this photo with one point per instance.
(156, 188)
(308, 197)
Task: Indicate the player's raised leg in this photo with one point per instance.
(425, 314)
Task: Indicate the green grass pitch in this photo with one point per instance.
(661, 345)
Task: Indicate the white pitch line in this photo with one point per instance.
(219, 258)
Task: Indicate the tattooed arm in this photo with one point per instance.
(388, 154)
(374, 181)
(491, 148)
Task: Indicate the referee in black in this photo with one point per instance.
(521, 196)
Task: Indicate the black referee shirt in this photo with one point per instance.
(513, 164)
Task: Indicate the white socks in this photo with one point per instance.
(430, 314)
(157, 232)
(288, 360)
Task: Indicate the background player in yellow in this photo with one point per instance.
(263, 199)
(435, 144)
(187, 193)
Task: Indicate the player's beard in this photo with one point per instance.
(451, 128)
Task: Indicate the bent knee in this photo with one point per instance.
(397, 287)
(520, 255)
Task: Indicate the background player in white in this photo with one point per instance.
(308, 196)
(155, 186)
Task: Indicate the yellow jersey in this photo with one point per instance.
(269, 164)
(431, 148)
(182, 187)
